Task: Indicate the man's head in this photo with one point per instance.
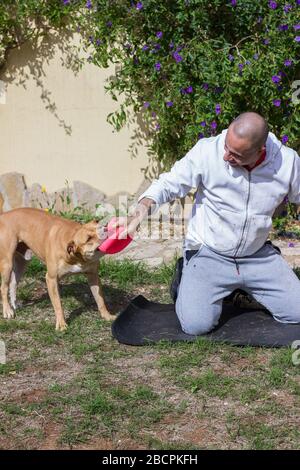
(245, 139)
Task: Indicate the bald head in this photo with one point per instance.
(251, 127)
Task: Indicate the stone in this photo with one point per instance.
(12, 190)
(87, 196)
(36, 196)
(121, 201)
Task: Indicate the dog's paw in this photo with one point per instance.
(108, 316)
(8, 313)
(61, 326)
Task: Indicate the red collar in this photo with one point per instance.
(261, 159)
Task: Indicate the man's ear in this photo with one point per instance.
(71, 248)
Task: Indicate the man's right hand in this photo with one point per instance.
(131, 223)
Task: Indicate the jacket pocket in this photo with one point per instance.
(222, 230)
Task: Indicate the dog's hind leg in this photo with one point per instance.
(21, 257)
(6, 271)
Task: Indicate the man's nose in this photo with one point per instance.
(227, 156)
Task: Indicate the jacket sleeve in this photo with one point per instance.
(294, 191)
(183, 176)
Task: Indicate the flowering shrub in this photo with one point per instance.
(189, 66)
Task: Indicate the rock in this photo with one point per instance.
(142, 188)
(36, 196)
(121, 201)
(12, 190)
(87, 196)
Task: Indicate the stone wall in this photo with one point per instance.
(15, 193)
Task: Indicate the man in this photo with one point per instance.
(241, 176)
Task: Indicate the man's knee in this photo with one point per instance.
(194, 324)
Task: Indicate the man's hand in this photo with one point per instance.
(130, 223)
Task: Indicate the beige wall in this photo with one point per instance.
(53, 125)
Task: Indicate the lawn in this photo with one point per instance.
(83, 390)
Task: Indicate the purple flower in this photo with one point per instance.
(157, 126)
(146, 104)
(248, 62)
(139, 6)
(233, 3)
(157, 46)
(189, 89)
(287, 8)
(159, 34)
(283, 27)
(266, 41)
(98, 42)
(291, 245)
(177, 57)
(218, 109)
(203, 123)
(66, 2)
(158, 66)
(200, 135)
(88, 4)
(296, 27)
(277, 102)
(284, 139)
(109, 24)
(169, 104)
(273, 5)
(214, 125)
(153, 114)
(145, 47)
(288, 62)
(205, 86)
(297, 38)
(276, 79)
(230, 57)
(171, 45)
(218, 89)
(256, 56)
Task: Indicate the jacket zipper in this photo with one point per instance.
(234, 257)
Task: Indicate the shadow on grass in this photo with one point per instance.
(115, 299)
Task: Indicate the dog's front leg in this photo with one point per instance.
(6, 271)
(52, 284)
(95, 286)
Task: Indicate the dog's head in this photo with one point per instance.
(86, 242)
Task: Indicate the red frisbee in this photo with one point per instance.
(113, 244)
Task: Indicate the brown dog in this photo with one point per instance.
(65, 246)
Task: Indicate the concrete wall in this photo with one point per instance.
(53, 123)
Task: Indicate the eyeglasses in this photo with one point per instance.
(237, 156)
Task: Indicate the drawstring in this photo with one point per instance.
(237, 266)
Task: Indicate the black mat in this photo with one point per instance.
(143, 322)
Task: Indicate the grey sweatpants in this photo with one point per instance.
(208, 277)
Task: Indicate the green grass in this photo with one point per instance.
(81, 387)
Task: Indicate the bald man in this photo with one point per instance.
(240, 176)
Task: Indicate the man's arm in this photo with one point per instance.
(184, 175)
(294, 192)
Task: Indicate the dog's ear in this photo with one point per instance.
(71, 248)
